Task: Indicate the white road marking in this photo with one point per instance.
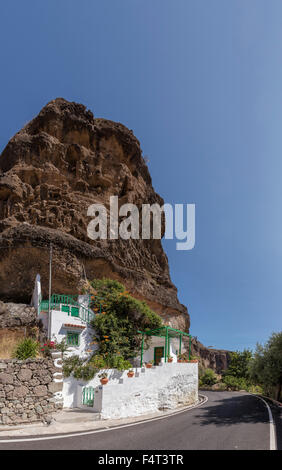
(272, 439)
(87, 433)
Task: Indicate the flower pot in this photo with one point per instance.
(170, 359)
(179, 360)
(149, 366)
(104, 381)
(130, 374)
(194, 361)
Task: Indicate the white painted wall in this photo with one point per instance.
(162, 387)
(59, 332)
(37, 295)
(148, 354)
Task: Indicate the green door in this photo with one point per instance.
(158, 354)
(88, 396)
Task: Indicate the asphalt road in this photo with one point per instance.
(228, 421)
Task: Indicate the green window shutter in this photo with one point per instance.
(75, 311)
(65, 308)
(72, 338)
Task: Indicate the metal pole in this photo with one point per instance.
(189, 347)
(50, 289)
(166, 344)
(180, 343)
(142, 347)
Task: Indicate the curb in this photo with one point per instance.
(275, 402)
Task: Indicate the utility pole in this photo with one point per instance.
(50, 289)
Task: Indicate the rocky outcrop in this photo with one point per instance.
(216, 359)
(51, 171)
(17, 315)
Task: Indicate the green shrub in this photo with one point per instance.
(62, 346)
(208, 378)
(118, 318)
(70, 364)
(235, 383)
(110, 362)
(257, 389)
(75, 366)
(85, 372)
(221, 387)
(26, 348)
(47, 348)
(266, 367)
(119, 363)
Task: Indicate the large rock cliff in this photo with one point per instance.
(51, 171)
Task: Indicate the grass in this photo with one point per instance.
(8, 341)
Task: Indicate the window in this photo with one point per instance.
(72, 338)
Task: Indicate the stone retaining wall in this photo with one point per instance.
(30, 390)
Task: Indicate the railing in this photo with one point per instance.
(68, 304)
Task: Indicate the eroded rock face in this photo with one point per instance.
(216, 359)
(50, 172)
(14, 315)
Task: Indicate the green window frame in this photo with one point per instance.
(72, 338)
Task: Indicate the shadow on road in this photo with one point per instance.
(236, 409)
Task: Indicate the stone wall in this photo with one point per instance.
(29, 390)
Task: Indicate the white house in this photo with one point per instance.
(164, 385)
(70, 318)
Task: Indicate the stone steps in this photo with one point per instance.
(76, 415)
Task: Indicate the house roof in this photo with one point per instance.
(73, 325)
(165, 331)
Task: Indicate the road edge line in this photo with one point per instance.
(272, 437)
(110, 428)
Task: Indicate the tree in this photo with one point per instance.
(118, 318)
(239, 363)
(266, 366)
(236, 376)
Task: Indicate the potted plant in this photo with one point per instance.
(170, 359)
(149, 364)
(130, 373)
(103, 378)
(179, 358)
(193, 359)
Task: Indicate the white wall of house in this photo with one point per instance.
(148, 354)
(60, 326)
(166, 386)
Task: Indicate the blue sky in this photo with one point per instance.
(199, 83)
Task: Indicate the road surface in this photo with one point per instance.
(228, 421)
